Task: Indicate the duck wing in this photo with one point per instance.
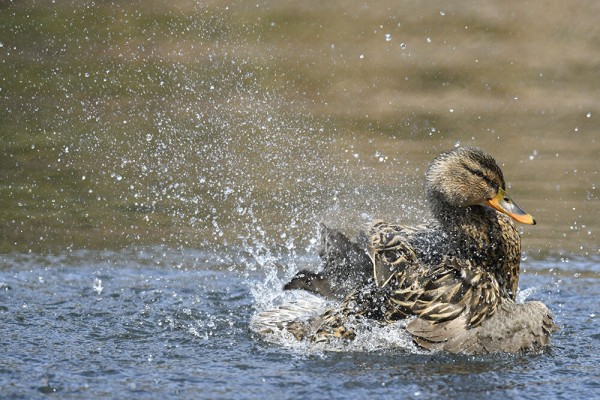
(436, 292)
(346, 266)
(392, 252)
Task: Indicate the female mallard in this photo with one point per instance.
(457, 277)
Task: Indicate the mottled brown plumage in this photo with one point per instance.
(457, 276)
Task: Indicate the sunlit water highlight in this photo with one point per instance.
(155, 322)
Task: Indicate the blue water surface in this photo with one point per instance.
(175, 324)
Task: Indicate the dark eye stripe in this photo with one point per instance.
(480, 174)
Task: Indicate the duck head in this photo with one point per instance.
(465, 177)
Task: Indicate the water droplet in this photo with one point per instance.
(388, 37)
(403, 45)
(442, 13)
(97, 286)
(362, 56)
(457, 144)
(588, 115)
(428, 40)
(451, 110)
(148, 137)
(533, 155)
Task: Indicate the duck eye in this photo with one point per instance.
(482, 176)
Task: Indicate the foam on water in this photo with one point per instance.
(524, 294)
(277, 308)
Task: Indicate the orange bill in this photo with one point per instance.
(503, 203)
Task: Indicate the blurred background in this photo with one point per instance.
(229, 125)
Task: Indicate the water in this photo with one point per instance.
(208, 125)
(176, 324)
(164, 169)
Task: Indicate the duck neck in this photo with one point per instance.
(487, 238)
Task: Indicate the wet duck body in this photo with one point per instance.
(457, 277)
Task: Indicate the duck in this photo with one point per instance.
(454, 279)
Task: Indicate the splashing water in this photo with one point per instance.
(97, 286)
(301, 306)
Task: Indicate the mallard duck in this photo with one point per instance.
(456, 277)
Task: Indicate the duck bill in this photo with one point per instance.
(503, 203)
